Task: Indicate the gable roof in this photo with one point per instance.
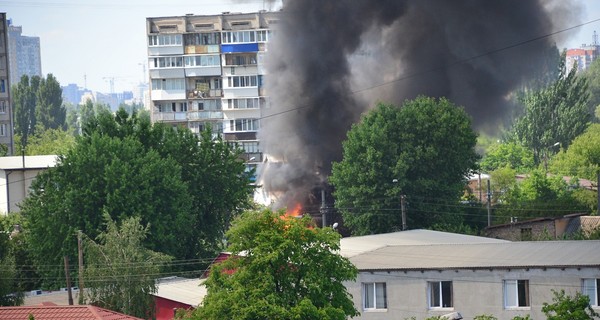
(352, 246)
(523, 254)
(83, 312)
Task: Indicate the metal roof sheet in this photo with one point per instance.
(352, 246)
(85, 312)
(31, 162)
(530, 254)
(188, 291)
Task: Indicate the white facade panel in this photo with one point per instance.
(162, 51)
(168, 94)
(230, 93)
(240, 70)
(241, 113)
(167, 73)
(202, 71)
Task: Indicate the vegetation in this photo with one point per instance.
(37, 104)
(582, 158)
(120, 273)
(126, 167)
(281, 268)
(554, 114)
(564, 307)
(426, 147)
(508, 155)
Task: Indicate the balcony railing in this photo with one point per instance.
(202, 94)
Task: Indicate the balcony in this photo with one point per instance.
(170, 116)
(204, 94)
(202, 115)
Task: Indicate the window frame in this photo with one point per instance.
(595, 288)
(374, 305)
(440, 288)
(515, 284)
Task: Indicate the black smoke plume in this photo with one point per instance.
(331, 60)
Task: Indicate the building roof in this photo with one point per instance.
(84, 312)
(31, 162)
(187, 291)
(523, 254)
(353, 246)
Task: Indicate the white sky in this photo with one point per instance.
(107, 38)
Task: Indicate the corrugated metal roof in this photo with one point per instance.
(533, 254)
(31, 162)
(188, 291)
(352, 246)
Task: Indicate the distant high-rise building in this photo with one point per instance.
(584, 56)
(6, 125)
(71, 93)
(24, 54)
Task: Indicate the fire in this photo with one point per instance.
(295, 212)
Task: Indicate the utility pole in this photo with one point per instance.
(489, 203)
(80, 254)
(403, 208)
(323, 209)
(70, 294)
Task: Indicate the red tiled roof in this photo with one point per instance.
(84, 312)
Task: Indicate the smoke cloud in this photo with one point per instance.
(332, 60)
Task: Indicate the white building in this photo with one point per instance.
(208, 70)
(424, 273)
(16, 176)
(25, 54)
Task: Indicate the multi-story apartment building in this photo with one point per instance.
(584, 56)
(208, 70)
(24, 56)
(6, 137)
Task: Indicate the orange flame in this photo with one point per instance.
(295, 212)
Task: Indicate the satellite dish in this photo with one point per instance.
(335, 225)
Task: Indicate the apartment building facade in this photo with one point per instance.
(209, 71)
(6, 136)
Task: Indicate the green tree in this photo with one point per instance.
(48, 142)
(185, 187)
(10, 294)
(565, 307)
(509, 154)
(557, 113)
(120, 272)
(24, 103)
(582, 158)
(50, 112)
(426, 147)
(592, 75)
(282, 268)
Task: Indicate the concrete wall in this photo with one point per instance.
(475, 292)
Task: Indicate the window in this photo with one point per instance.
(249, 146)
(2, 85)
(164, 40)
(203, 61)
(242, 81)
(243, 125)
(3, 132)
(440, 294)
(166, 62)
(591, 288)
(516, 293)
(374, 296)
(239, 36)
(240, 59)
(168, 84)
(2, 106)
(244, 103)
(202, 39)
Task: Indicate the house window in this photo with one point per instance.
(440, 294)
(374, 296)
(516, 293)
(2, 106)
(526, 234)
(243, 125)
(591, 288)
(3, 132)
(2, 85)
(243, 81)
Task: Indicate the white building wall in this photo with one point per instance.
(475, 291)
